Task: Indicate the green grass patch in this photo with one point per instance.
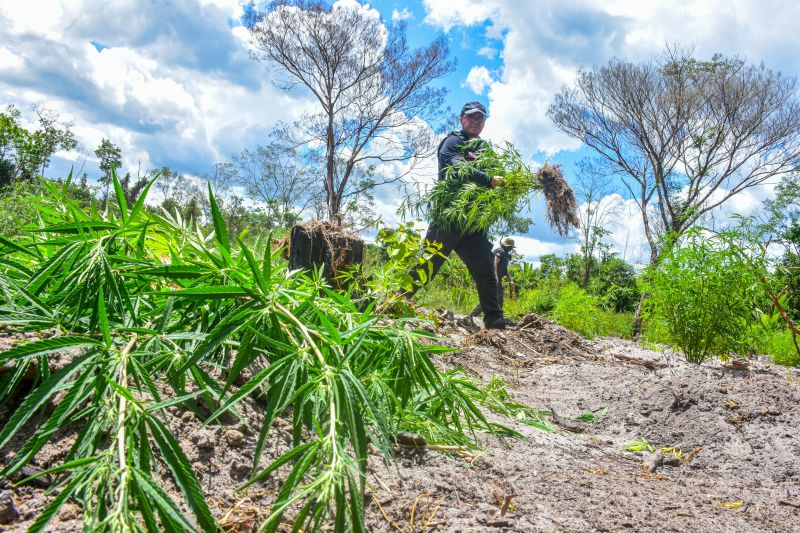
(611, 324)
(780, 348)
(578, 311)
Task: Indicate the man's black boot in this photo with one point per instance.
(501, 323)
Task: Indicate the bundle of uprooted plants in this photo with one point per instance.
(151, 310)
(458, 203)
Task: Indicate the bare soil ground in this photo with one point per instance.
(731, 457)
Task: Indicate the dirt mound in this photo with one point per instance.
(741, 419)
(729, 459)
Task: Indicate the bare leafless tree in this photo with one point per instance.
(594, 192)
(684, 135)
(374, 93)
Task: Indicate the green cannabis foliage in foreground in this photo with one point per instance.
(456, 202)
(154, 312)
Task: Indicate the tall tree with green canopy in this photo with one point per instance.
(783, 225)
(110, 159)
(25, 154)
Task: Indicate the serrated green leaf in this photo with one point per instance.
(14, 246)
(44, 347)
(120, 194)
(161, 499)
(137, 207)
(102, 317)
(69, 465)
(36, 399)
(183, 474)
(250, 386)
(220, 230)
(254, 267)
(173, 271)
(79, 227)
(207, 292)
(173, 401)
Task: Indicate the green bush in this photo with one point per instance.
(611, 324)
(541, 300)
(16, 209)
(655, 331)
(780, 347)
(768, 335)
(578, 311)
(522, 304)
(457, 299)
(705, 292)
(452, 288)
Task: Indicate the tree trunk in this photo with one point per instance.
(586, 260)
(326, 247)
(637, 316)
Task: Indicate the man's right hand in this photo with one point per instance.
(498, 181)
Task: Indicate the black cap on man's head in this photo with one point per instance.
(473, 107)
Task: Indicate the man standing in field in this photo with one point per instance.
(474, 248)
(502, 256)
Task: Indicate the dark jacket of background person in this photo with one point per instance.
(503, 257)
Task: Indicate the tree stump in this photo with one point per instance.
(322, 245)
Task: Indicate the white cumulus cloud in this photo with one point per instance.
(545, 43)
(532, 249)
(403, 14)
(478, 80)
(171, 85)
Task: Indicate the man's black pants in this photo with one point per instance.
(500, 297)
(475, 250)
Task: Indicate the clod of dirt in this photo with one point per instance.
(8, 507)
(239, 471)
(318, 244)
(234, 438)
(203, 440)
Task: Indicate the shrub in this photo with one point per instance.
(452, 288)
(611, 324)
(704, 291)
(457, 299)
(16, 209)
(780, 347)
(578, 311)
(655, 331)
(541, 300)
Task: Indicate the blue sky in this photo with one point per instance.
(172, 83)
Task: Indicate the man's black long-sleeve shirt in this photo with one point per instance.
(453, 150)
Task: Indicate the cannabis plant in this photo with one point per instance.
(152, 312)
(705, 293)
(458, 203)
